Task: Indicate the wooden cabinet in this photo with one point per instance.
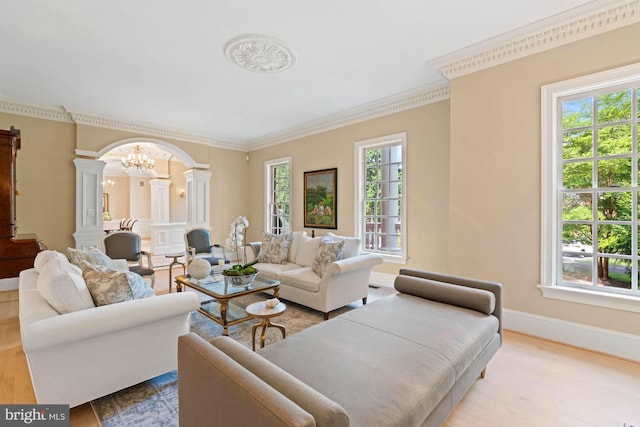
(16, 252)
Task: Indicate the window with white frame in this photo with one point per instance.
(380, 177)
(591, 188)
(278, 191)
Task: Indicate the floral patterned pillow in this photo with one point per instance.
(275, 247)
(328, 252)
(91, 256)
(110, 286)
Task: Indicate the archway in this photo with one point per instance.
(154, 190)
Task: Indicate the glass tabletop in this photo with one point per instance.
(217, 287)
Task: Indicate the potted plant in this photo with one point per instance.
(241, 275)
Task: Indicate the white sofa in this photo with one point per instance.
(79, 356)
(344, 281)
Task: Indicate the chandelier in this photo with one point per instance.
(138, 160)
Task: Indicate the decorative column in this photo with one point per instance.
(198, 198)
(159, 200)
(89, 230)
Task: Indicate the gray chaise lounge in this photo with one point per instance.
(404, 360)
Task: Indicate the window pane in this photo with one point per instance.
(614, 173)
(577, 239)
(577, 206)
(577, 113)
(577, 144)
(614, 107)
(382, 173)
(614, 239)
(614, 272)
(373, 174)
(577, 269)
(370, 208)
(279, 197)
(372, 157)
(614, 140)
(614, 206)
(577, 175)
(373, 191)
(577, 254)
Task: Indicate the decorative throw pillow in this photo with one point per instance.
(351, 244)
(63, 287)
(307, 250)
(110, 286)
(46, 256)
(92, 256)
(296, 238)
(275, 247)
(327, 253)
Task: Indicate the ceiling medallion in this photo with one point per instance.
(258, 53)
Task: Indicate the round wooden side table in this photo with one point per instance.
(260, 311)
(175, 261)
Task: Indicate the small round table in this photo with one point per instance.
(175, 261)
(260, 311)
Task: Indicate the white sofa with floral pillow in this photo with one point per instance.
(323, 273)
(90, 332)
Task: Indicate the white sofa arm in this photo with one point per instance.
(354, 263)
(93, 322)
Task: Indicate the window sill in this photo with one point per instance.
(394, 259)
(583, 296)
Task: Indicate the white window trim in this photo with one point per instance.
(550, 178)
(359, 185)
(267, 189)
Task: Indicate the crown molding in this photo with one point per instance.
(88, 119)
(400, 102)
(576, 24)
(62, 114)
(57, 114)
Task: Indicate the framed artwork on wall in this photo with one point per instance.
(321, 198)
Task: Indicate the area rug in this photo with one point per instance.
(155, 402)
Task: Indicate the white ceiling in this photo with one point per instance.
(162, 62)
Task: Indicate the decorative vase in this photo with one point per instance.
(199, 268)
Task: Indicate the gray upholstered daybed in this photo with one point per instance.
(403, 360)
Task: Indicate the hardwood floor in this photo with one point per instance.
(530, 382)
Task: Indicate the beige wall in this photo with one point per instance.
(119, 197)
(427, 174)
(139, 198)
(230, 191)
(495, 172)
(177, 204)
(45, 176)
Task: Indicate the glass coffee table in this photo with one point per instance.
(222, 309)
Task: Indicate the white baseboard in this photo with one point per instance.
(619, 344)
(9, 284)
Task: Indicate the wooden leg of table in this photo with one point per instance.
(276, 292)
